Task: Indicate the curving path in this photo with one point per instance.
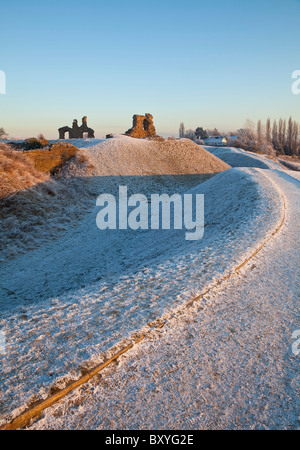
(224, 363)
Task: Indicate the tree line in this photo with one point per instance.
(280, 136)
(199, 133)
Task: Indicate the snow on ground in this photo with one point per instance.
(67, 303)
(42, 209)
(290, 164)
(225, 363)
(236, 157)
(125, 156)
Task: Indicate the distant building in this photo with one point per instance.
(218, 141)
(232, 138)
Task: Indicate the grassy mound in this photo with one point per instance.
(35, 207)
(17, 172)
(126, 156)
(52, 159)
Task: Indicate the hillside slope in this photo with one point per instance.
(17, 172)
(126, 156)
(37, 208)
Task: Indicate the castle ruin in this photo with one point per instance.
(76, 132)
(142, 127)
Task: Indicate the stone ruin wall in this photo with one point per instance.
(76, 132)
(142, 127)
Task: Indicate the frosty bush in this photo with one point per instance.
(34, 143)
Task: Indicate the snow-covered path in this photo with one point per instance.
(50, 332)
(224, 363)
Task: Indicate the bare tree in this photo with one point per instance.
(275, 134)
(268, 130)
(295, 142)
(259, 131)
(281, 135)
(2, 133)
(250, 127)
(181, 130)
(190, 134)
(232, 133)
(256, 141)
(214, 132)
(247, 135)
(289, 136)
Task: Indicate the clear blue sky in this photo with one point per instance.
(204, 63)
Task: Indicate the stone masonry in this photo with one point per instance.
(142, 126)
(76, 132)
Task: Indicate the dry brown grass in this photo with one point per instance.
(291, 158)
(78, 166)
(35, 207)
(155, 138)
(53, 159)
(17, 172)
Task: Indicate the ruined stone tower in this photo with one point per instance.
(142, 126)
